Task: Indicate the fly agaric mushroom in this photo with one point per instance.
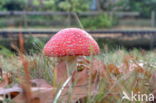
(68, 44)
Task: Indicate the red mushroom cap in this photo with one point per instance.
(71, 42)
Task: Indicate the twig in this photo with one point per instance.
(77, 18)
(61, 89)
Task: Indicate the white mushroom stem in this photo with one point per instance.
(71, 64)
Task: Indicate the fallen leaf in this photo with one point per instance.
(113, 69)
(60, 73)
(152, 81)
(13, 92)
(40, 83)
(35, 100)
(5, 78)
(84, 82)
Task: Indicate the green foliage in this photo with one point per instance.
(50, 5)
(144, 7)
(34, 45)
(74, 5)
(65, 5)
(44, 5)
(2, 3)
(12, 5)
(107, 5)
(20, 5)
(5, 52)
(96, 22)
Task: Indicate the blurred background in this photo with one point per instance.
(124, 29)
(63, 13)
(117, 23)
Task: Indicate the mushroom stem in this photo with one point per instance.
(71, 64)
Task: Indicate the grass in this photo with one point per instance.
(108, 91)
